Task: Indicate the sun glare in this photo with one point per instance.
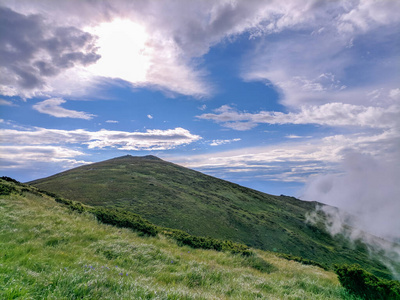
(122, 46)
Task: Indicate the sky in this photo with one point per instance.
(296, 97)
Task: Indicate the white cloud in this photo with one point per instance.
(150, 117)
(330, 114)
(112, 121)
(149, 140)
(394, 94)
(222, 142)
(170, 44)
(7, 103)
(24, 156)
(294, 136)
(53, 108)
(320, 61)
(294, 161)
(367, 14)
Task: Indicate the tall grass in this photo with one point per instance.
(50, 252)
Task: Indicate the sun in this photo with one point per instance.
(122, 46)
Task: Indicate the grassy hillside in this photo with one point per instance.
(176, 197)
(50, 252)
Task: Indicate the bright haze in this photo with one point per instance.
(293, 97)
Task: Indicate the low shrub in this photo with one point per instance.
(6, 189)
(48, 193)
(258, 263)
(184, 238)
(125, 219)
(302, 260)
(121, 218)
(72, 205)
(366, 285)
(9, 179)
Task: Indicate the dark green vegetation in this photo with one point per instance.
(172, 196)
(130, 220)
(366, 285)
(50, 250)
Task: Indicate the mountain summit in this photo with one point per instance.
(172, 196)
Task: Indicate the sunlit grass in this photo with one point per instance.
(49, 252)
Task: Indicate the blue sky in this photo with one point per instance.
(287, 97)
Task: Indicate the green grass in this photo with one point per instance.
(50, 252)
(171, 196)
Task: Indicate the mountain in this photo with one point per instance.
(172, 196)
(51, 252)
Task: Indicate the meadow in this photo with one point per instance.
(169, 195)
(51, 252)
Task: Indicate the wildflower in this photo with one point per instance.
(126, 274)
(121, 274)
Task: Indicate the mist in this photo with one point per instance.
(364, 201)
(367, 188)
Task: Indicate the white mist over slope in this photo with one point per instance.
(368, 188)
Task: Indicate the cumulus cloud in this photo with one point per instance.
(149, 140)
(53, 108)
(176, 40)
(330, 114)
(33, 51)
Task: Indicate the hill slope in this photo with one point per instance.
(176, 197)
(49, 252)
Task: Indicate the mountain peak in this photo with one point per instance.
(152, 157)
(145, 157)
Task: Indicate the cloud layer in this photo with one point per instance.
(294, 63)
(330, 114)
(149, 140)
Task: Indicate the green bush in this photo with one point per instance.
(124, 219)
(7, 189)
(48, 193)
(258, 263)
(9, 179)
(302, 260)
(184, 238)
(366, 285)
(72, 205)
(114, 217)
